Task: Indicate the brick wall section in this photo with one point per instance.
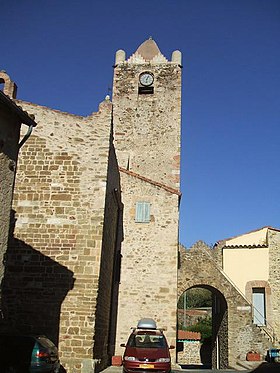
(55, 256)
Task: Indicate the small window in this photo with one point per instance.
(142, 213)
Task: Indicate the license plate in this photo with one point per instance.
(146, 366)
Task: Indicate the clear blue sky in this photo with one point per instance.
(60, 53)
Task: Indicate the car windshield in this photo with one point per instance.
(147, 341)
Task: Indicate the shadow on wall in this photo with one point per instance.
(206, 353)
(33, 289)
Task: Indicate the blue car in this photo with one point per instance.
(28, 354)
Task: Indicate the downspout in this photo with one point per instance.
(26, 136)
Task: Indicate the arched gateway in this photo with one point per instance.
(215, 352)
(233, 333)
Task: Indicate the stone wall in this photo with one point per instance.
(11, 119)
(105, 317)
(274, 280)
(58, 260)
(190, 354)
(148, 127)
(148, 285)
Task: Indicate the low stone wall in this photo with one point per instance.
(190, 353)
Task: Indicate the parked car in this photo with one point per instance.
(273, 355)
(146, 349)
(28, 354)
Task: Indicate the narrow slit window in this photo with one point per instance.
(143, 212)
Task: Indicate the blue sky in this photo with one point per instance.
(60, 53)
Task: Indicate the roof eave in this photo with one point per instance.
(24, 117)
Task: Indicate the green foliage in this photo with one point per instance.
(204, 326)
(196, 298)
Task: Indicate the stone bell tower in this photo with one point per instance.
(147, 112)
(147, 122)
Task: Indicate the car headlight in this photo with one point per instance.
(129, 358)
(163, 360)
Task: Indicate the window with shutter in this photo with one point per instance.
(142, 212)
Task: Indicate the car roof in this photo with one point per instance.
(146, 323)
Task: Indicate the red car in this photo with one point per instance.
(146, 349)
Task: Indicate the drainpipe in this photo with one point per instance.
(26, 136)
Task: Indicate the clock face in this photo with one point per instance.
(146, 79)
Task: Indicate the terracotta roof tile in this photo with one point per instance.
(186, 334)
(150, 181)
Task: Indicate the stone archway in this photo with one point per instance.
(234, 333)
(214, 351)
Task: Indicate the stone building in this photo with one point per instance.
(242, 273)
(11, 119)
(94, 182)
(147, 122)
(233, 332)
(61, 267)
(251, 261)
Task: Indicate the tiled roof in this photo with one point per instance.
(186, 334)
(192, 312)
(150, 181)
(252, 231)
